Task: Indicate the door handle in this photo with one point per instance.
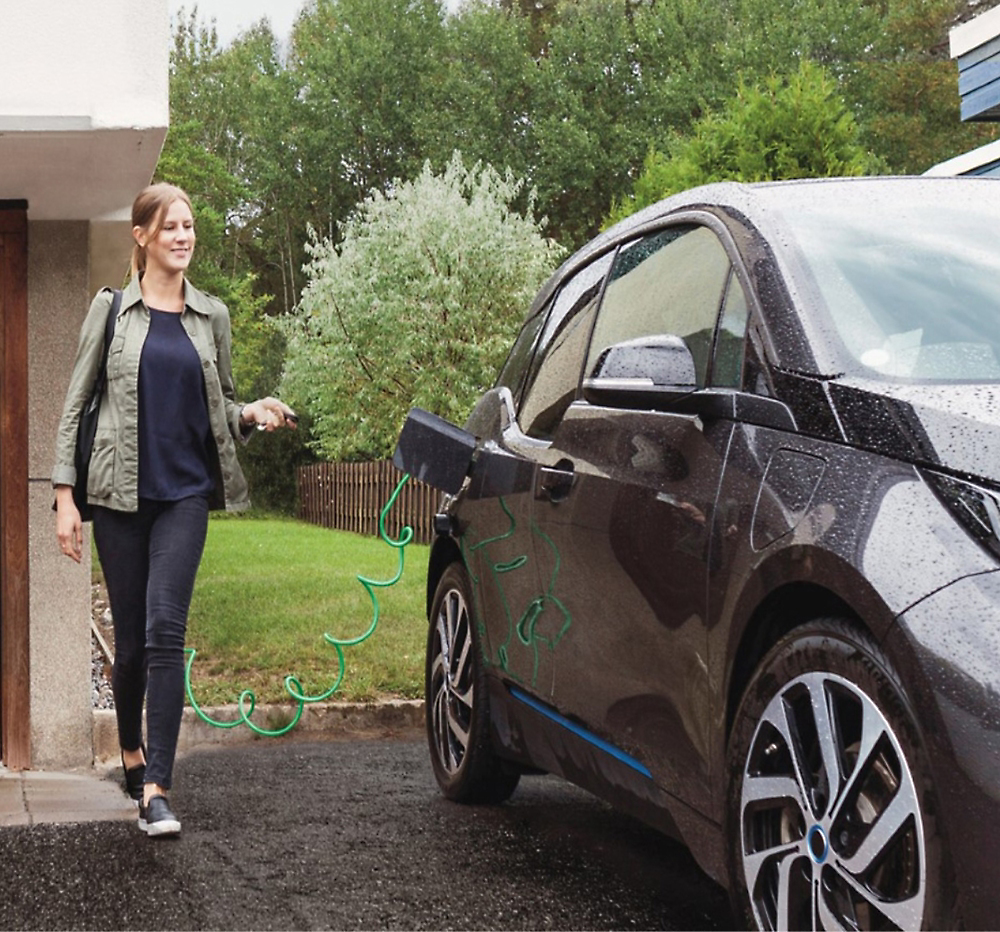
(556, 482)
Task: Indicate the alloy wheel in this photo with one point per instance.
(832, 834)
(452, 681)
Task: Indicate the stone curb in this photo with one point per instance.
(319, 720)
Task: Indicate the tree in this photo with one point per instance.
(483, 100)
(765, 37)
(209, 153)
(679, 51)
(363, 69)
(415, 306)
(790, 128)
(569, 95)
(588, 136)
(906, 88)
(538, 14)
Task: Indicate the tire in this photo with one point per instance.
(457, 700)
(823, 745)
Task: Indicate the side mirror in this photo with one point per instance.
(644, 372)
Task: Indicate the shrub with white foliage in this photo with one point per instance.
(416, 305)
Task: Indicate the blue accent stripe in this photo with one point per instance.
(581, 732)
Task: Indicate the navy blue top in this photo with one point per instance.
(175, 434)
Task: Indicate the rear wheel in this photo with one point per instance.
(832, 813)
(457, 702)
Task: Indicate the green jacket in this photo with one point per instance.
(113, 480)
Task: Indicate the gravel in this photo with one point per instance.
(100, 663)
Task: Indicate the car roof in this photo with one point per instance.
(750, 198)
(756, 201)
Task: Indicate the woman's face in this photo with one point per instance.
(170, 250)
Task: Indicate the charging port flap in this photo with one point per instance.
(434, 451)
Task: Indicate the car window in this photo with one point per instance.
(671, 282)
(555, 374)
(911, 285)
(513, 372)
(727, 370)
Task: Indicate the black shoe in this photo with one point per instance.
(135, 777)
(155, 818)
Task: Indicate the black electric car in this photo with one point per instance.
(726, 551)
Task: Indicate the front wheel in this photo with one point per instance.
(457, 702)
(832, 816)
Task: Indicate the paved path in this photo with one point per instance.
(33, 798)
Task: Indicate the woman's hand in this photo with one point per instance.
(268, 414)
(69, 527)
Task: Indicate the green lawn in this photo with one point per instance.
(269, 588)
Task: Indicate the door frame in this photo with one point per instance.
(15, 693)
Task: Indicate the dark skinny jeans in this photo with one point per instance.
(150, 559)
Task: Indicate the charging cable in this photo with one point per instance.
(248, 701)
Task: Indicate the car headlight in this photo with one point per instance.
(975, 506)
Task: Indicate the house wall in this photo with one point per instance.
(84, 104)
(984, 160)
(976, 46)
(103, 65)
(61, 705)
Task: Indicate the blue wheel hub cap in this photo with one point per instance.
(819, 844)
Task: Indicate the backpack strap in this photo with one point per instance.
(109, 332)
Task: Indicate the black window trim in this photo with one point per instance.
(544, 311)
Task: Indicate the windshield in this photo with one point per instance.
(911, 283)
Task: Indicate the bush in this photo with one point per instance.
(416, 306)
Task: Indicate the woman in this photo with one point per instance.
(164, 455)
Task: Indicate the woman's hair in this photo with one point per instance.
(149, 210)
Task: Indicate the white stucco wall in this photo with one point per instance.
(84, 103)
(100, 64)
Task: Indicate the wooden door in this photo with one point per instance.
(15, 743)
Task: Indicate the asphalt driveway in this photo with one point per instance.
(353, 835)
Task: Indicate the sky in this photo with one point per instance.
(233, 16)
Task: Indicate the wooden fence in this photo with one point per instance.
(351, 496)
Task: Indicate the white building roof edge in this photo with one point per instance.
(967, 161)
(976, 32)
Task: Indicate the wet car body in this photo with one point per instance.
(636, 553)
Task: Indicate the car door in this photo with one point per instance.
(496, 516)
(526, 619)
(625, 505)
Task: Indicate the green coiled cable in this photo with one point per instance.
(248, 701)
